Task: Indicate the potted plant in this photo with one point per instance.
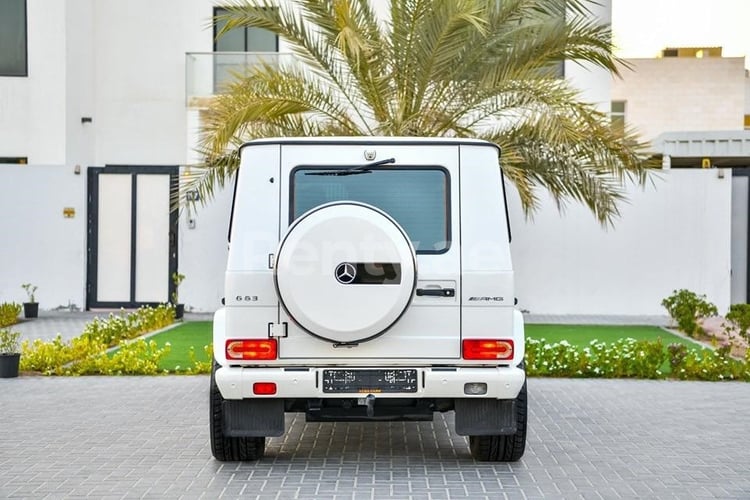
(10, 353)
(31, 307)
(179, 309)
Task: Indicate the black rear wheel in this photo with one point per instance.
(508, 448)
(225, 448)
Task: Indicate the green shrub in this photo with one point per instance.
(84, 354)
(9, 312)
(9, 341)
(739, 318)
(177, 279)
(30, 291)
(116, 328)
(712, 365)
(677, 355)
(686, 308)
(201, 367)
(139, 357)
(52, 358)
(628, 358)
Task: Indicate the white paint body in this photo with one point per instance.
(477, 265)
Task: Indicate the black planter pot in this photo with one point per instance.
(31, 309)
(9, 365)
(179, 311)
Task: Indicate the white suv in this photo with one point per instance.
(368, 279)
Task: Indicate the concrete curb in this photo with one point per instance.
(147, 335)
(678, 333)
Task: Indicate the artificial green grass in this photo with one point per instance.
(582, 335)
(194, 334)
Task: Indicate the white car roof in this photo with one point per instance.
(417, 141)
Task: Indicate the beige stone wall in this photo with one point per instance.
(680, 94)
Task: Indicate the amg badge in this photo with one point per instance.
(486, 299)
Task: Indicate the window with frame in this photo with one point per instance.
(617, 116)
(13, 47)
(236, 50)
(416, 197)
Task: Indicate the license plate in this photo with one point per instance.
(369, 381)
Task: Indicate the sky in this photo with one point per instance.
(642, 28)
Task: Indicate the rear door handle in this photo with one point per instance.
(436, 292)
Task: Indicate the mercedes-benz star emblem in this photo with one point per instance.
(345, 273)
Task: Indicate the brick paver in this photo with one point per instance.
(140, 437)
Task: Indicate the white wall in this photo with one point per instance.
(594, 83)
(674, 235)
(32, 108)
(80, 93)
(39, 245)
(203, 252)
(139, 82)
(740, 194)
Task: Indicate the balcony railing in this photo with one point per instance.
(208, 73)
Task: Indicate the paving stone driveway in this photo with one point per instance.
(135, 437)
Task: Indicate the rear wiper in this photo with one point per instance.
(362, 169)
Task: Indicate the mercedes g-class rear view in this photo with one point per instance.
(368, 279)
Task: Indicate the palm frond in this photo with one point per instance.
(308, 45)
(267, 93)
(573, 157)
(469, 68)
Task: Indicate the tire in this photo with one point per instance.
(224, 448)
(503, 448)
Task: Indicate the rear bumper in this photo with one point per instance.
(502, 382)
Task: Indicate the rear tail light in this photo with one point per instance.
(264, 388)
(501, 349)
(251, 349)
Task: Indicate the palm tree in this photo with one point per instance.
(464, 68)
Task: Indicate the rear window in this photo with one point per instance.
(417, 198)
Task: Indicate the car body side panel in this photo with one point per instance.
(487, 298)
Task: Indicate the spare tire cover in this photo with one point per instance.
(345, 272)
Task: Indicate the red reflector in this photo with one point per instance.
(264, 388)
(487, 349)
(251, 349)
